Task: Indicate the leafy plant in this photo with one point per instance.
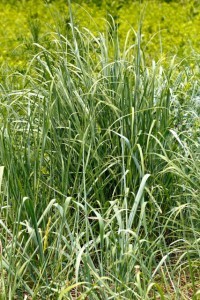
(100, 187)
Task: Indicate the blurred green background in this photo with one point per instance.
(169, 27)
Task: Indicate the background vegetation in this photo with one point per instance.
(99, 151)
(169, 27)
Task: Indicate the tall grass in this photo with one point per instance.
(99, 185)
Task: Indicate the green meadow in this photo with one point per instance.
(99, 150)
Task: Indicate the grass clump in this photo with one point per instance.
(100, 185)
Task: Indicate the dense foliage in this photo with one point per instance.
(99, 153)
(164, 31)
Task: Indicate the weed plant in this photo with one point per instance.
(100, 174)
